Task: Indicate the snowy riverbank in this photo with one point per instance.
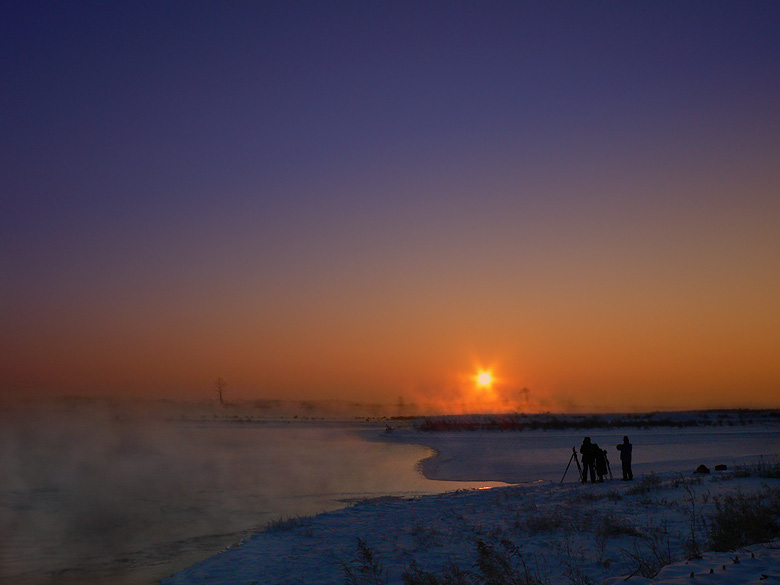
(545, 532)
(553, 533)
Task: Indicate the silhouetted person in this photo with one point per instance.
(625, 449)
(588, 460)
(601, 461)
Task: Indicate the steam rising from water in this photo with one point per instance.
(93, 487)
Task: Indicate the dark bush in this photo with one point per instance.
(741, 520)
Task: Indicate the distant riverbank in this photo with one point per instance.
(528, 456)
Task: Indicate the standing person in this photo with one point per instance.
(601, 461)
(625, 449)
(588, 460)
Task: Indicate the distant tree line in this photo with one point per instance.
(520, 422)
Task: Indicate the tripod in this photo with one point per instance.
(609, 468)
(576, 460)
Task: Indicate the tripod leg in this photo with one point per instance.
(578, 464)
(573, 456)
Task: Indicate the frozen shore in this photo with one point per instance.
(530, 456)
(655, 529)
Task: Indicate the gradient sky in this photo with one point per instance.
(367, 201)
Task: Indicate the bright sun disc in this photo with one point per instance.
(484, 379)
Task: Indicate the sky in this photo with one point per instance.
(376, 201)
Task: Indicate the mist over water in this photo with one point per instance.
(92, 494)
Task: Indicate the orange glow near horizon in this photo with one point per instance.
(558, 365)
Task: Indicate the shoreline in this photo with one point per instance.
(562, 530)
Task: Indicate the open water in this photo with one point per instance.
(89, 497)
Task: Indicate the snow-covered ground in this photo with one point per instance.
(652, 530)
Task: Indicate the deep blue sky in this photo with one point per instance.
(363, 200)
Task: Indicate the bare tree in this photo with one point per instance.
(220, 389)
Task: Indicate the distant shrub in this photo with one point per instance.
(562, 422)
(285, 524)
(769, 469)
(651, 551)
(611, 526)
(425, 536)
(680, 480)
(740, 520)
(611, 495)
(454, 575)
(367, 568)
(648, 483)
(541, 523)
(502, 564)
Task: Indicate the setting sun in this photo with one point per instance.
(484, 379)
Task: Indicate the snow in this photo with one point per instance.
(549, 532)
(754, 564)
